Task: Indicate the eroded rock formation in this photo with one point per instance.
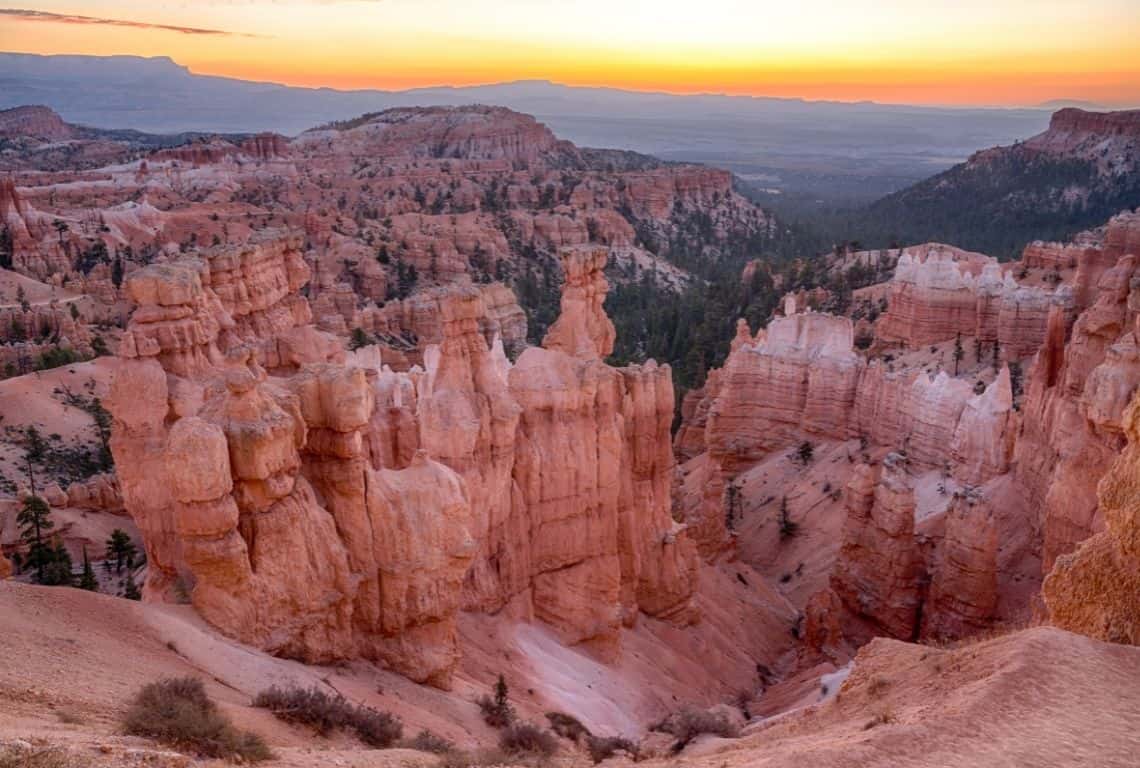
(1095, 590)
(324, 511)
(999, 478)
(938, 293)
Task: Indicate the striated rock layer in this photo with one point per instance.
(802, 379)
(938, 293)
(324, 510)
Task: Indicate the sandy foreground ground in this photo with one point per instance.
(70, 661)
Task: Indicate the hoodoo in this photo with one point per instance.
(325, 510)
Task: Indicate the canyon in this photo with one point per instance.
(973, 434)
(354, 396)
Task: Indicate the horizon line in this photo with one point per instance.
(1053, 104)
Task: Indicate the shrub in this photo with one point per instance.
(324, 713)
(567, 726)
(527, 739)
(788, 528)
(497, 711)
(177, 711)
(690, 723)
(426, 741)
(604, 747)
(35, 757)
(477, 759)
(70, 716)
(883, 717)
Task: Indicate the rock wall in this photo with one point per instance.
(801, 379)
(1072, 416)
(324, 511)
(1095, 590)
(876, 576)
(1019, 466)
(938, 293)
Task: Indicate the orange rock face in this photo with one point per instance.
(802, 380)
(939, 293)
(1096, 589)
(1076, 393)
(326, 511)
(1000, 479)
(876, 575)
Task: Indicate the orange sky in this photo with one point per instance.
(963, 52)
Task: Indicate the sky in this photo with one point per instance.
(990, 52)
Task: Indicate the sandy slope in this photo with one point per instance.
(1041, 697)
(68, 650)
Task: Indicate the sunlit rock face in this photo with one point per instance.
(325, 508)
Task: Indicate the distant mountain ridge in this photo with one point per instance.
(1082, 169)
(820, 148)
(37, 137)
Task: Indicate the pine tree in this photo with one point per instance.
(131, 590)
(57, 572)
(117, 272)
(121, 549)
(359, 339)
(497, 710)
(5, 247)
(87, 580)
(959, 353)
(34, 521)
(502, 693)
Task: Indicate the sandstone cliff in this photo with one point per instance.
(938, 293)
(1095, 590)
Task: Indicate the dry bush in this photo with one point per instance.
(878, 686)
(177, 711)
(884, 717)
(567, 726)
(35, 757)
(527, 739)
(481, 758)
(324, 713)
(426, 741)
(70, 716)
(690, 723)
(604, 747)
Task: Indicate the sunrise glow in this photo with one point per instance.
(969, 52)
